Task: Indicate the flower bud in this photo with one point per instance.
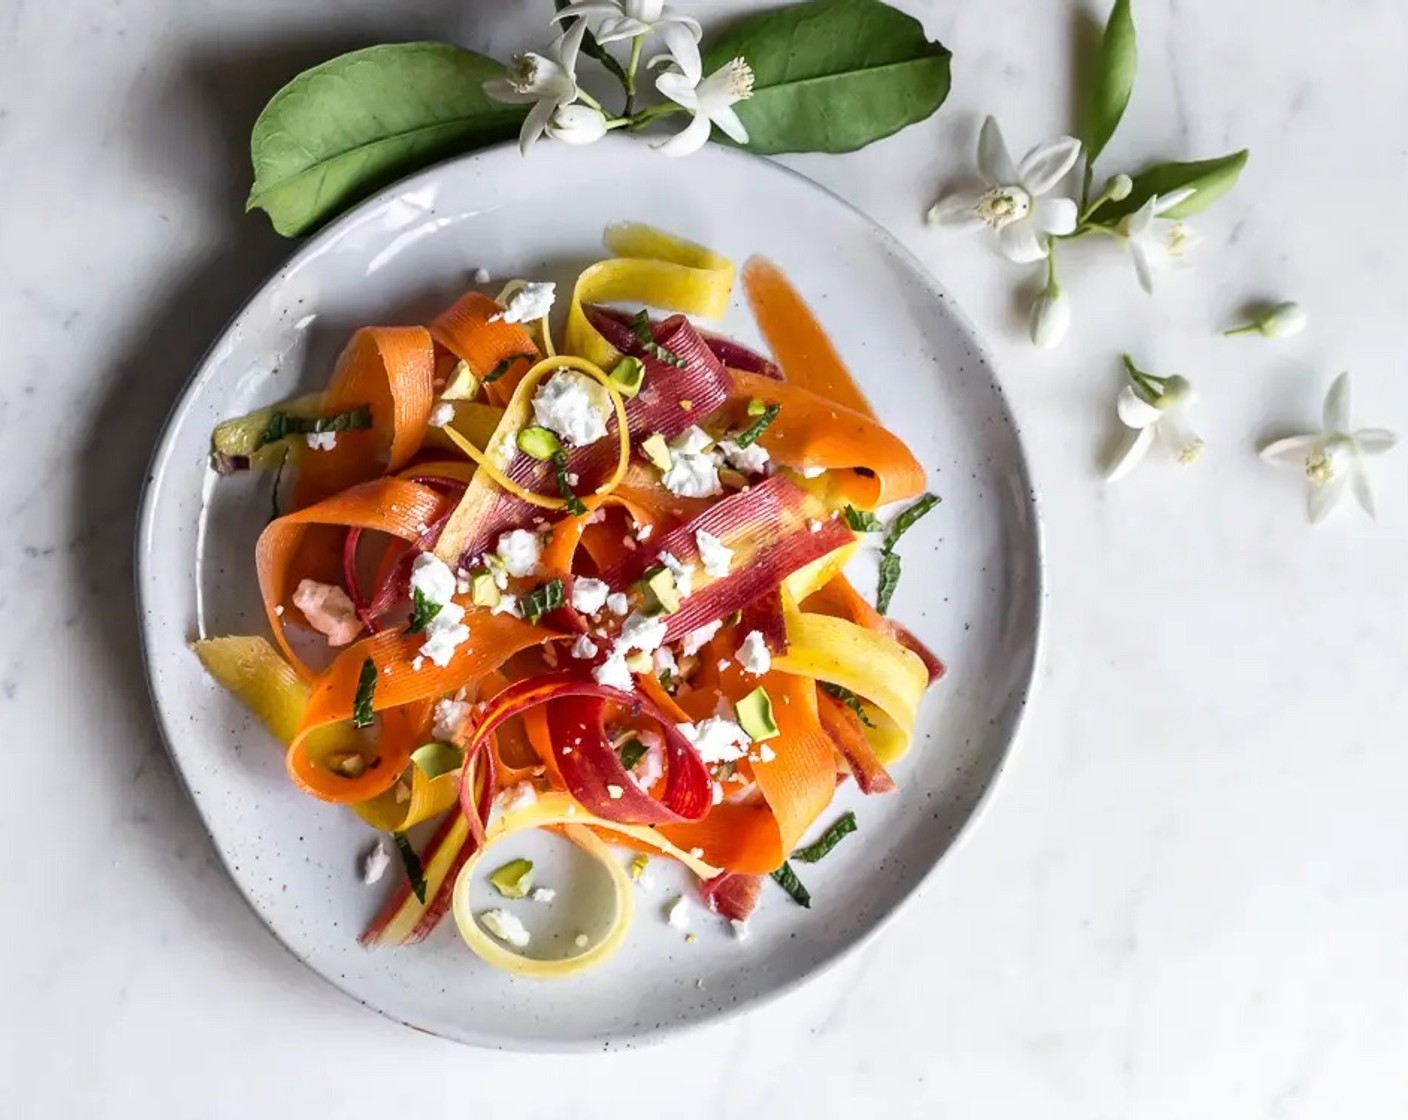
(1118, 189)
(1285, 320)
(1051, 318)
(1177, 390)
(577, 124)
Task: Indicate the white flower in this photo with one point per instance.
(577, 124)
(626, 19)
(1012, 205)
(1285, 320)
(1152, 408)
(1051, 318)
(547, 82)
(1156, 242)
(710, 102)
(1333, 459)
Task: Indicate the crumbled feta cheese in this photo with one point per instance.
(442, 415)
(589, 595)
(692, 476)
(697, 853)
(445, 633)
(617, 603)
(279, 610)
(740, 928)
(449, 717)
(481, 276)
(753, 654)
(651, 767)
(813, 525)
(572, 405)
(375, 863)
(507, 604)
(713, 553)
(696, 640)
(518, 796)
(678, 913)
(532, 301)
(580, 940)
(766, 753)
(328, 610)
(520, 551)
(752, 459)
(613, 673)
(812, 472)
(683, 573)
(718, 792)
(506, 927)
(542, 894)
(614, 792)
(641, 632)
(321, 441)
(432, 577)
(643, 531)
(694, 440)
(716, 739)
(417, 662)
(665, 660)
(584, 649)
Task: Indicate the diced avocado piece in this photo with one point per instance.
(514, 879)
(538, 442)
(756, 407)
(628, 376)
(657, 451)
(640, 662)
(461, 385)
(661, 594)
(755, 715)
(483, 592)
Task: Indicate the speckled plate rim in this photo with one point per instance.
(1023, 695)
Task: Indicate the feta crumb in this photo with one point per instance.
(506, 927)
(641, 632)
(328, 610)
(694, 440)
(617, 603)
(721, 664)
(481, 276)
(417, 662)
(665, 660)
(697, 853)
(375, 863)
(449, 717)
(613, 673)
(542, 894)
(696, 640)
(321, 441)
(678, 913)
(651, 767)
(716, 739)
(518, 796)
(813, 525)
(752, 459)
(580, 940)
(812, 472)
(614, 792)
(753, 655)
(572, 405)
(718, 792)
(692, 476)
(643, 531)
(507, 604)
(740, 928)
(442, 415)
(584, 649)
(713, 553)
(766, 753)
(532, 301)
(432, 577)
(279, 610)
(520, 551)
(589, 595)
(683, 573)
(444, 633)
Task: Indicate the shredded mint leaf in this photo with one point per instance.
(542, 599)
(905, 521)
(829, 839)
(411, 861)
(274, 512)
(667, 679)
(849, 698)
(758, 426)
(640, 327)
(863, 521)
(422, 611)
(282, 425)
(788, 881)
(503, 367)
(564, 484)
(889, 580)
(366, 690)
(630, 753)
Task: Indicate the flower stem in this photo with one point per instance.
(1249, 328)
(655, 112)
(588, 99)
(636, 44)
(1146, 381)
(1053, 289)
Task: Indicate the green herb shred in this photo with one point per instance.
(411, 862)
(849, 698)
(564, 484)
(282, 425)
(863, 521)
(540, 600)
(366, 690)
(889, 580)
(503, 367)
(274, 512)
(640, 327)
(788, 881)
(889, 559)
(829, 839)
(758, 426)
(667, 679)
(905, 521)
(422, 611)
(630, 753)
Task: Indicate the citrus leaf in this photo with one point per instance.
(833, 75)
(1208, 179)
(346, 128)
(1114, 80)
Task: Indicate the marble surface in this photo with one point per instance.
(1187, 898)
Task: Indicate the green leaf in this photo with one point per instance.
(362, 703)
(342, 130)
(787, 879)
(833, 75)
(905, 521)
(863, 521)
(758, 427)
(843, 827)
(422, 611)
(1114, 80)
(889, 580)
(410, 860)
(1209, 179)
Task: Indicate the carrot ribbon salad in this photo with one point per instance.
(591, 585)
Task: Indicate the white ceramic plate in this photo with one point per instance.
(972, 584)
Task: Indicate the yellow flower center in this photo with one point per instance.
(1002, 206)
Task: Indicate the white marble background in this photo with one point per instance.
(1189, 897)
